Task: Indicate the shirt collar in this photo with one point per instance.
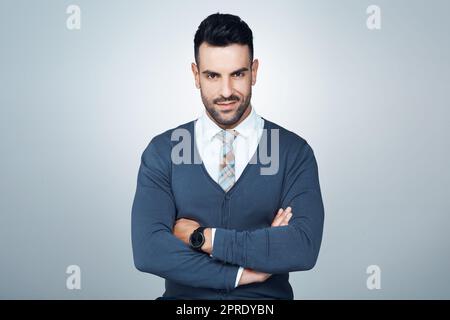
(246, 128)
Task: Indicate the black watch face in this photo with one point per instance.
(196, 239)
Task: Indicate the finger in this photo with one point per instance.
(286, 219)
(280, 212)
(278, 218)
(285, 213)
(281, 215)
(286, 216)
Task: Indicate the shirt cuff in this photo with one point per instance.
(213, 232)
(238, 277)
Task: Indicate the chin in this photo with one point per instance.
(228, 121)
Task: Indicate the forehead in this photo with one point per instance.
(223, 59)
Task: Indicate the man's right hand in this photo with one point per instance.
(250, 276)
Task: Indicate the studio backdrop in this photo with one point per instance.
(85, 85)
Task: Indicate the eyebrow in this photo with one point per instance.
(236, 71)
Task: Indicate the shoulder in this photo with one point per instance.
(161, 144)
(294, 151)
(289, 141)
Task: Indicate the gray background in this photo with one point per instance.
(79, 107)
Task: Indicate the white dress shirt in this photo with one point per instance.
(210, 148)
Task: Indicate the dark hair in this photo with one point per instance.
(221, 29)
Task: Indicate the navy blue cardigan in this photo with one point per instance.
(167, 191)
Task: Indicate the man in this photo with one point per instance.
(224, 228)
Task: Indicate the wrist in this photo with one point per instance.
(207, 246)
(243, 278)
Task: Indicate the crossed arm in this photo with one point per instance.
(184, 227)
(286, 248)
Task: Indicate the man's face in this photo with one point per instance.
(225, 77)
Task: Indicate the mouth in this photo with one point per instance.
(226, 106)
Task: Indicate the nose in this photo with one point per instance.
(226, 88)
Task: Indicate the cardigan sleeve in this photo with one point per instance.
(155, 249)
(294, 247)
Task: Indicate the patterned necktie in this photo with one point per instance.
(226, 167)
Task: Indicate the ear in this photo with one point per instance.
(255, 65)
(196, 74)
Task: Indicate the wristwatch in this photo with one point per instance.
(197, 239)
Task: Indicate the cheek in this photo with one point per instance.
(207, 91)
(209, 88)
(243, 88)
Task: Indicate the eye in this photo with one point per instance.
(239, 74)
(211, 76)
